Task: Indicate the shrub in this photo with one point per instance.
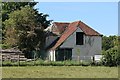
(5, 46)
(110, 57)
(46, 63)
(9, 63)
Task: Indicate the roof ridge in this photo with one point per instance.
(62, 22)
(67, 22)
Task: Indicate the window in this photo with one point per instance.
(79, 38)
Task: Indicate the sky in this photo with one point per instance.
(101, 16)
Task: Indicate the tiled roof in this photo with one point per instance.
(61, 26)
(71, 28)
(88, 30)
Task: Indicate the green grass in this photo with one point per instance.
(60, 72)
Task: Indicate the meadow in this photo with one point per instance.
(59, 72)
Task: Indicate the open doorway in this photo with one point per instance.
(63, 54)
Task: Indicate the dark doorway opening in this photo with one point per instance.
(63, 54)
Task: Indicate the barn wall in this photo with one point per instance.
(92, 45)
(50, 39)
(71, 41)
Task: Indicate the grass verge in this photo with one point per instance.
(60, 72)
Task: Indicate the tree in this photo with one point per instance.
(109, 42)
(111, 52)
(24, 29)
(118, 55)
(8, 7)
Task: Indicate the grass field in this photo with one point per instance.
(59, 72)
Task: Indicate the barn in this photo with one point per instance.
(72, 41)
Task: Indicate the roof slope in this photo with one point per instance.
(88, 30)
(61, 26)
(71, 28)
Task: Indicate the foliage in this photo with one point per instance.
(118, 55)
(4, 46)
(47, 63)
(19, 22)
(8, 7)
(110, 57)
(24, 29)
(109, 42)
(111, 54)
(23, 26)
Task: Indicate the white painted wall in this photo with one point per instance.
(51, 55)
